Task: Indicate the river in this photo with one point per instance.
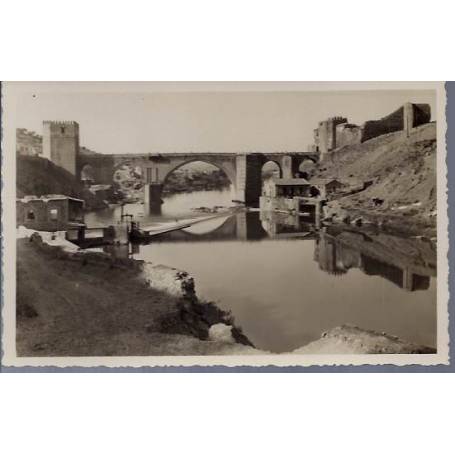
(286, 283)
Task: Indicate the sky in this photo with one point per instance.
(196, 121)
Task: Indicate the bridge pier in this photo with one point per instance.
(248, 182)
(152, 198)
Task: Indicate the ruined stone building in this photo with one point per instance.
(337, 132)
(325, 134)
(50, 213)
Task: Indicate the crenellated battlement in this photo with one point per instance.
(60, 122)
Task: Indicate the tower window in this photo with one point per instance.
(30, 215)
(62, 129)
(53, 214)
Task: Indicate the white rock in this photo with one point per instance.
(221, 332)
(168, 279)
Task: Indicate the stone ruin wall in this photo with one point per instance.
(348, 134)
(325, 134)
(337, 132)
(389, 124)
(405, 118)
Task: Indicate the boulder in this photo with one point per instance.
(175, 282)
(221, 332)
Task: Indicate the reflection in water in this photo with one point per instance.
(176, 206)
(408, 263)
(286, 282)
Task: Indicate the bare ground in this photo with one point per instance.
(402, 176)
(349, 339)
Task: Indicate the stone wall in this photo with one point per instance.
(337, 132)
(421, 114)
(389, 124)
(348, 134)
(325, 134)
(36, 214)
(405, 118)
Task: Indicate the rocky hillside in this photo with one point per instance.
(39, 176)
(398, 173)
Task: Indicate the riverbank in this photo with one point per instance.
(88, 304)
(349, 339)
(398, 174)
(73, 302)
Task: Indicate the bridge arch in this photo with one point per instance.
(230, 173)
(271, 168)
(306, 167)
(158, 193)
(100, 167)
(87, 174)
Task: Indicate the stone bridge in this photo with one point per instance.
(243, 170)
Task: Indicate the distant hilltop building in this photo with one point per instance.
(337, 132)
(28, 143)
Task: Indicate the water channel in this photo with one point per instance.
(286, 283)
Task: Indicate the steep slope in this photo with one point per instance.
(400, 172)
(39, 176)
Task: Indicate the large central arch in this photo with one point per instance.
(160, 167)
(230, 173)
(169, 186)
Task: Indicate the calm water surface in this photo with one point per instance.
(286, 284)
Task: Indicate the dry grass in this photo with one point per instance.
(91, 308)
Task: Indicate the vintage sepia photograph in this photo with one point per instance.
(227, 226)
(224, 224)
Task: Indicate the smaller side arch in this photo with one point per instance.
(306, 168)
(271, 168)
(100, 165)
(87, 174)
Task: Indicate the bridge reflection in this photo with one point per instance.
(240, 226)
(406, 262)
